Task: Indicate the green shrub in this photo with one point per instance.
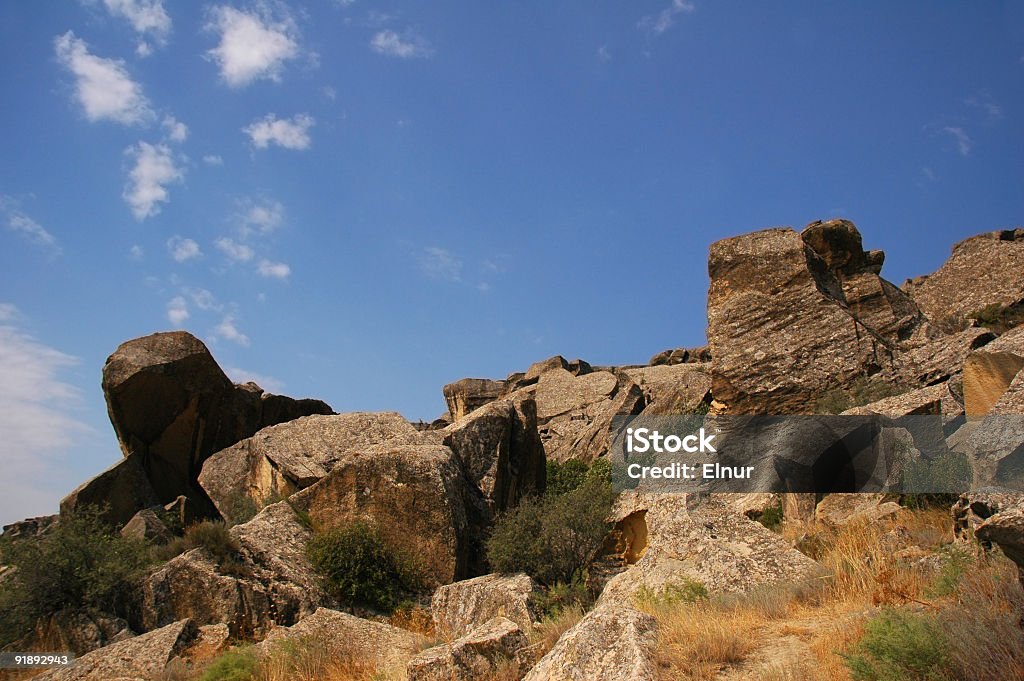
(554, 600)
(685, 590)
(237, 664)
(212, 535)
(360, 569)
(564, 477)
(899, 645)
(772, 517)
(954, 565)
(949, 473)
(998, 317)
(862, 390)
(80, 563)
(552, 538)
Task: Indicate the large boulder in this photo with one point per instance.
(172, 406)
(673, 389)
(270, 583)
(488, 649)
(345, 636)
(987, 375)
(710, 543)
(461, 607)
(792, 317)
(1006, 529)
(928, 361)
(78, 631)
(123, 489)
(278, 461)
(973, 508)
(469, 394)
(983, 270)
(612, 643)
(141, 657)
(413, 494)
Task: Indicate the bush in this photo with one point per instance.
(80, 563)
(553, 601)
(212, 535)
(563, 478)
(237, 664)
(685, 590)
(999, 318)
(360, 569)
(900, 645)
(863, 390)
(553, 538)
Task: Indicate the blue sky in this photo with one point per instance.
(363, 201)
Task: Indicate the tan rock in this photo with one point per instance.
(1006, 529)
(924, 401)
(927, 361)
(842, 509)
(141, 657)
(491, 647)
(973, 508)
(469, 394)
(987, 375)
(672, 389)
(461, 607)
(612, 643)
(146, 526)
(559, 392)
(124, 488)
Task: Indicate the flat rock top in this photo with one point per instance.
(559, 391)
(154, 350)
(324, 439)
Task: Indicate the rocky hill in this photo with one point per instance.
(234, 496)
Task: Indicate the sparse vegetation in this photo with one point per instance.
(237, 664)
(999, 318)
(684, 590)
(212, 535)
(863, 390)
(304, 659)
(564, 477)
(80, 563)
(359, 569)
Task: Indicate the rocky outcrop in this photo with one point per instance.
(270, 583)
(123, 489)
(461, 607)
(792, 316)
(29, 527)
(928, 361)
(493, 646)
(612, 643)
(973, 508)
(933, 400)
(983, 270)
(1006, 529)
(278, 461)
(172, 407)
(843, 509)
(141, 657)
(673, 389)
(987, 375)
(500, 451)
(469, 394)
(412, 494)
(345, 636)
(79, 631)
(681, 356)
(710, 543)
(146, 526)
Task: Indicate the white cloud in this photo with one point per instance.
(136, 252)
(177, 311)
(290, 134)
(236, 251)
(273, 270)
(204, 300)
(963, 141)
(176, 130)
(329, 92)
(213, 160)
(148, 18)
(253, 45)
(154, 169)
(102, 86)
(406, 46)
(25, 227)
(36, 431)
(183, 249)
(268, 383)
(262, 216)
(603, 53)
(662, 21)
(983, 100)
(439, 263)
(228, 331)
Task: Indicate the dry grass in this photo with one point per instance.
(416, 619)
(544, 637)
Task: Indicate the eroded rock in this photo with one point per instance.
(461, 607)
(495, 645)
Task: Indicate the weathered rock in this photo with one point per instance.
(612, 643)
(348, 637)
(994, 445)
(673, 389)
(560, 392)
(681, 356)
(928, 361)
(272, 582)
(29, 527)
(500, 451)
(124, 489)
(172, 407)
(924, 401)
(413, 494)
(79, 631)
(146, 526)
(982, 270)
(576, 367)
(842, 509)
(781, 329)
(1011, 341)
(463, 606)
(973, 508)
(478, 655)
(280, 460)
(1006, 529)
(141, 657)
(987, 375)
(710, 543)
(469, 394)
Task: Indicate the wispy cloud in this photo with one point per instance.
(661, 21)
(147, 17)
(983, 100)
(268, 383)
(136, 252)
(288, 133)
(273, 270)
(154, 169)
(253, 45)
(228, 331)
(260, 216)
(183, 249)
(234, 250)
(440, 263)
(175, 129)
(963, 141)
(35, 428)
(102, 86)
(177, 311)
(213, 160)
(408, 45)
(204, 299)
(25, 227)
(604, 54)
